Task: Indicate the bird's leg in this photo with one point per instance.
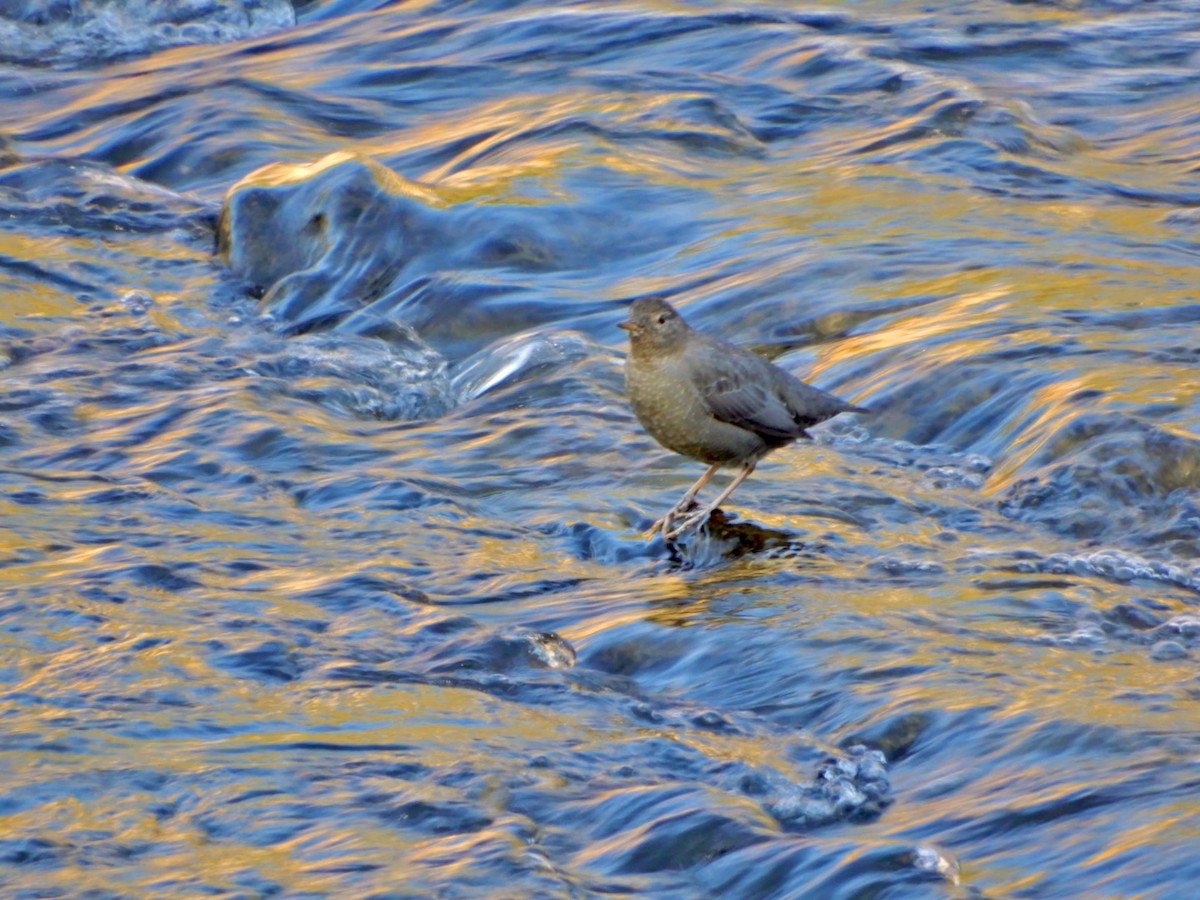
(700, 517)
(686, 502)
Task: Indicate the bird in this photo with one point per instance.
(712, 401)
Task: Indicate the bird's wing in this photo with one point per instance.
(742, 389)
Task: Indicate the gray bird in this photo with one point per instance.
(713, 401)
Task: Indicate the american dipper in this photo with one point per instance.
(713, 401)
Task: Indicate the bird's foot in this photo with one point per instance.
(694, 520)
(663, 525)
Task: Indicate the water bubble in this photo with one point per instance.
(137, 302)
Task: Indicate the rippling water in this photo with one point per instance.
(322, 567)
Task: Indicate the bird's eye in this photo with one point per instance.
(662, 318)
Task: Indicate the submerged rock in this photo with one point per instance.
(346, 243)
(1165, 650)
(1110, 477)
(319, 240)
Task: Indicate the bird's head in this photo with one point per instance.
(654, 324)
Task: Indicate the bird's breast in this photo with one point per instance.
(674, 412)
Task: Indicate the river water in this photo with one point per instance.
(322, 566)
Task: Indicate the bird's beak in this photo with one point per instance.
(628, 326)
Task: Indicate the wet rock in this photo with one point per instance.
(850, 787)
(724, 537)
(1165, 650)
(937, 861)
(553, 651)
(483, 652)
(895, 737)
(77, 32)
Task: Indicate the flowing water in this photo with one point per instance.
(322, 567)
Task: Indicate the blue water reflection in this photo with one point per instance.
(322, 566)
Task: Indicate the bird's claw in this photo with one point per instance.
(663, 525)
(689, 522)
